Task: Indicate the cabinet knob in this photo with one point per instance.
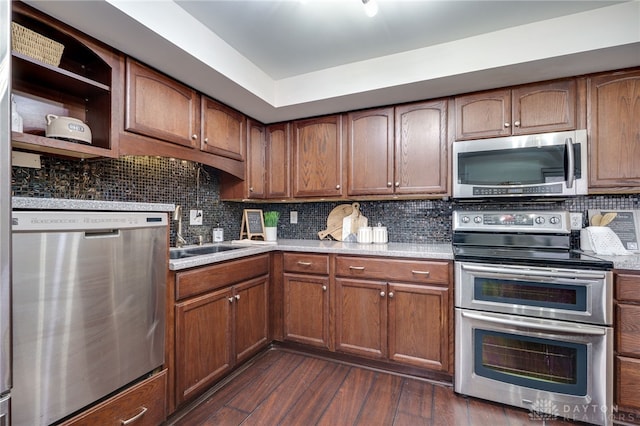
(206, 140)
(390, 295)
(251, 189)
(237, 297)
(194, 137)
(517, 124)
(382, 294)
(337, 186)
(324, 288)
(507, 124)
(397, 184)
(389, 184)
(230, 300)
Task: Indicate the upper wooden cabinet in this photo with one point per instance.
(256, 163)
(401, 150)
(614, 132)
(223, 130)
(159, 107)
(317, 157)
(535, 108)
(83, 86)
(278, 154)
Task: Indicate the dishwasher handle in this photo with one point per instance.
(112, 233)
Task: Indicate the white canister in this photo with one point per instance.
(218, 235)
(364, 235)
(380, 235)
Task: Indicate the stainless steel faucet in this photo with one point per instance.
(177, 215)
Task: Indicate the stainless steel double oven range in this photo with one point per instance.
(533, 316)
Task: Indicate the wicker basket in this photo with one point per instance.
(36, 46)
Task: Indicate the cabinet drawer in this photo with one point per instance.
(628, 329)
(420, 271)
(628, 287)
(207, 278)
(627, 383)
(146, 402)
(306, 263)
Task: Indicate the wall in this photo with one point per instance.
(194, 186)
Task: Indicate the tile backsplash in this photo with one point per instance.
(194, 186)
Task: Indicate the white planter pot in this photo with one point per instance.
(271, 233)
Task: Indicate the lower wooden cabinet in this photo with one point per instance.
(144, 404)
(306, 299)
(217, 330)
(378, 316)
(627, 344)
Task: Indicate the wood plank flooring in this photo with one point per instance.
(285, 388)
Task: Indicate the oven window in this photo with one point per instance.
(516, 166)
(543, 364)
(531, 293)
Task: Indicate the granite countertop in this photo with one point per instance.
(28, 203)
(419, 251)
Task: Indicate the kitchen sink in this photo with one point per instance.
(181, 253)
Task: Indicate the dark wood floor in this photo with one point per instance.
(285, 388)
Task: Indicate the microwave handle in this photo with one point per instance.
(571, 163)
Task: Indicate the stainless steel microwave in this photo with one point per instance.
(541, 165)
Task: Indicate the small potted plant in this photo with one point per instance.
(271, 225)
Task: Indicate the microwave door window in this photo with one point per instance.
(521, 166)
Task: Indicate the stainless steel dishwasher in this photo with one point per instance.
(88, 307)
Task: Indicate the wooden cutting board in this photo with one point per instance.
(334, 222)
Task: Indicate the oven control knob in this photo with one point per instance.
(465, 219)
(477, 219)
(554, 220)
(539, 220)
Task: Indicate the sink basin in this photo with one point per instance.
(181, 253)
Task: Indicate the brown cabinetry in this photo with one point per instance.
(278, 152)
(401, 150)
(306, 299)
(83, 86)
(223, 130)
(627, 342)
(160, 107)
(614, 132)
(143, 404)
(627, 346)
(534, 108)
(256, 163)
(317, 157)
(221, 319)
(394, 309)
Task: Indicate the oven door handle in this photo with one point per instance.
(522, 273)
(555, 328)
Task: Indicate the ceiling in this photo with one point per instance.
(282, 60)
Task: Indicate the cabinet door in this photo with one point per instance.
(278, 154)
(370, 152)
(483, 115)
(317, 157)
(544, 108)
(421, 157)
(419, 325)
(202, 342)
(614, 131)
(306, 309)
(361, 317)
(159, 107)
(627, 395)
(256, 164)
(223, 130)
(251, 303)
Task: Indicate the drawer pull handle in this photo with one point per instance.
(300, 262)
(357, 268)
(425, 273)
(134, 418)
